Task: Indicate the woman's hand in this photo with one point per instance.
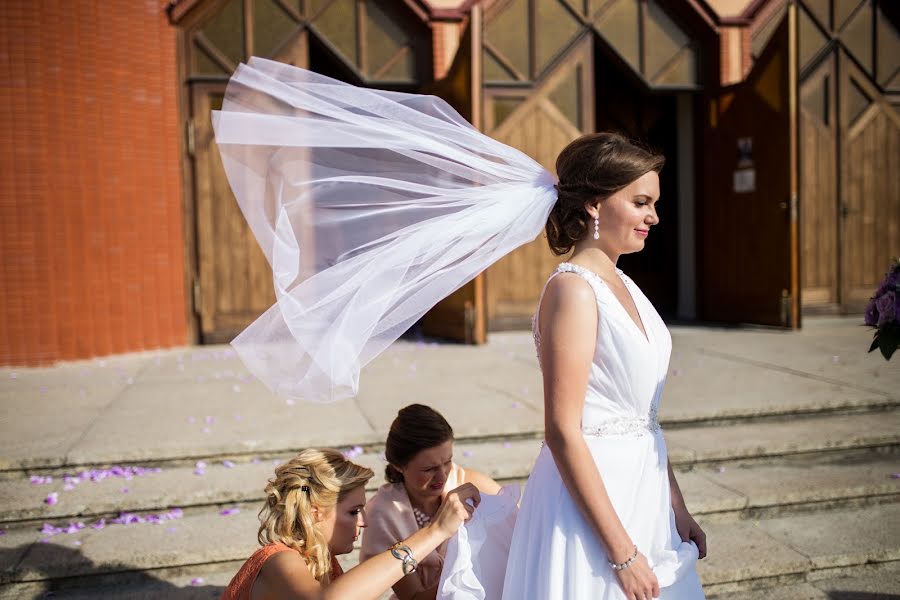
(638, 580)
(457, 507)
(689, 530)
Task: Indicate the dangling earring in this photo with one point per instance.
(597, 228)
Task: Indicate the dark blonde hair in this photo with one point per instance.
(416, 428)
(315, 477)
(593, 168)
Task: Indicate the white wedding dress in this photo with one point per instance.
(555, 554)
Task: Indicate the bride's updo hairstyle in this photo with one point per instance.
(416, 428)
(593, 168)
(319, 478)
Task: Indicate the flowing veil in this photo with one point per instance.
(371, 206)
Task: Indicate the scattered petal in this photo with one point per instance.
(209, 420)
(507, 444)
(124, 490)
(52, 498)
(206, 430)
(68, 487)
(197, 581)
(895, 476)
(228, 464)
(256, 460)
(229, 511)
(191, 420)
(2, 532)
(199, 471)
(467, 453)
(171, 530)
(76, 543)
(516, 405)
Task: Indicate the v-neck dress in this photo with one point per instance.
(555, 553)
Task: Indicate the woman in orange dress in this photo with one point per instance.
(314, 511)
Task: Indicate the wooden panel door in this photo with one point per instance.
(747, 253)
(540, 124)
(870, 185)
(233, 282)
(462, 316)
(819, 228)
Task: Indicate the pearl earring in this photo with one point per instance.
(596, 228)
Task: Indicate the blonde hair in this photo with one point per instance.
(314, 478)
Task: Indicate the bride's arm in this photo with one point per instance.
(687, 527)
(568, 329)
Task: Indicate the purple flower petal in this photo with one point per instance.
(52, 498)
(229, 511)
(507, 444)
(197, 581)
(228, 464)
(467, 453)
(124, 490)
(209, 420)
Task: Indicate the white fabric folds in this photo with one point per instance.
(475, 563)
(371, 206)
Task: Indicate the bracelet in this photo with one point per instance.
(626, 564)
(410, 564)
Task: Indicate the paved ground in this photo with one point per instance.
(786, 444)
(201, 401)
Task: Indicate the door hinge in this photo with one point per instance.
(197, 297)
(785, 308)
(190, 137)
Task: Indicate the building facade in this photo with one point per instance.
(780, 120)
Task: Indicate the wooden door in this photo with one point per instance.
(540, 124)
(819, 227)
(462, 316)
(233, 282)
(747, 253)
(870, 185)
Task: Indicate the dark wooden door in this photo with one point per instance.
(462, 316)
(747, 254)
(233, 282)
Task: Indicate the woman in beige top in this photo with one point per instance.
(420, 472)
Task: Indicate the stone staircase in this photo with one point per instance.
(796, 506)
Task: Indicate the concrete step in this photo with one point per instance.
(811, 460)
(784, 551)
(878, 581)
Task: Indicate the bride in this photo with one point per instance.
(602, 516)
(371, 206)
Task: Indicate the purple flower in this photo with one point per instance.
(52, 498)
(99, 524)
(887, 308)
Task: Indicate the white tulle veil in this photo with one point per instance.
(371, 206)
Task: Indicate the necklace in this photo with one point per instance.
(421, 518)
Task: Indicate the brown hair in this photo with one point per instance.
(416, 428)
(314, 477)
(593, 168)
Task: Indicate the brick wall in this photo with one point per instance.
(91, 234)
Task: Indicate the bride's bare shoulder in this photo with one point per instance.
(568, 291)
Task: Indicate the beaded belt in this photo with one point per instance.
(630, 426)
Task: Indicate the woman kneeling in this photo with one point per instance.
(314, 511)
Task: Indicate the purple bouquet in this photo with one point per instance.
(883, 313)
